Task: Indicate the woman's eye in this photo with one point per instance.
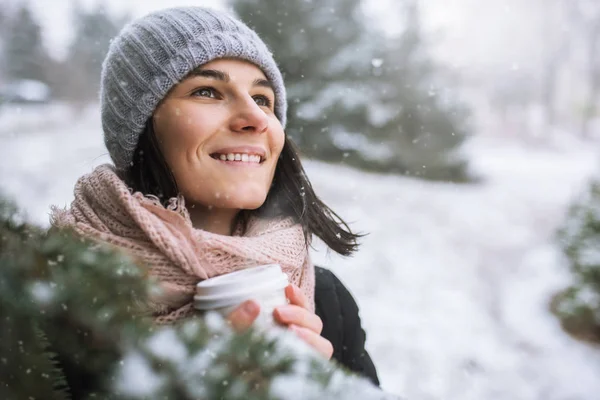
(205, 92)
(262, 101)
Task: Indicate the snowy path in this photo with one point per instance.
(453, 281)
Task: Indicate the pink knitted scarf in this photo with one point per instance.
(176, 253)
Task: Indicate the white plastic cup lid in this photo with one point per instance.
(237, 287)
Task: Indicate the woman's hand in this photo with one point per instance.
(307, 325)
(296, 316)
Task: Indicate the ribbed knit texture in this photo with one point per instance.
(179, 256)
(155, 52)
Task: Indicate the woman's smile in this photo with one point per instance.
(241, 156)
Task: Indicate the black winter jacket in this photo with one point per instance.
(341, 324)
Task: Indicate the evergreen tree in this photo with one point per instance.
(25, 56)
(357, 96)
(578, 306)
(73, 327)
(93, 31)
(3, 32)
(425, 125)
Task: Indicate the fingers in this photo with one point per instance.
(295, 295)
(319, 343)
(304, 323)
(307, 325)
(244, 315)
(297, 312)
(296, 315)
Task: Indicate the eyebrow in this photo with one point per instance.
(263, 83)
(224, 77)
(211, 73)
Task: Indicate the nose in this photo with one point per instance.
(249, 117)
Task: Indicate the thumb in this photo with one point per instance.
(244, 315)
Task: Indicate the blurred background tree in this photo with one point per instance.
(74, 78)
(578, 306)
(24, 52)
(3, 32)
(93, 31)
(585, 17)
(426, 125)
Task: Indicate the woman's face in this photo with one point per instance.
(219, 135)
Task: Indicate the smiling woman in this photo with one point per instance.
(205, 182)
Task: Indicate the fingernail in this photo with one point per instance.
(251, 308)
(294, 291)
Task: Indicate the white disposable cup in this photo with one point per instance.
(265, 284)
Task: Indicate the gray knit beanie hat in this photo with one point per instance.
(154, 53)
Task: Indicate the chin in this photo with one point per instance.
(250, 204)
(250, 200)
(249, 197)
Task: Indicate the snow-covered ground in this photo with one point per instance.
(453, 281)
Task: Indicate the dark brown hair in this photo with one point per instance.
(290, 195)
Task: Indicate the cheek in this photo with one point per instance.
(180, 133)
(277, 140)
(280, 143)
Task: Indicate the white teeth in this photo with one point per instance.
(242, 157)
